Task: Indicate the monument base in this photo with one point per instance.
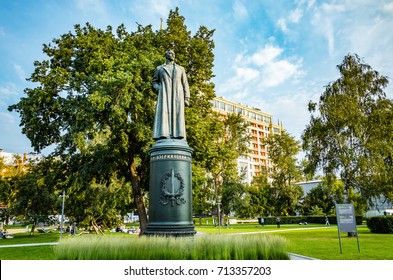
(170, 190)
(170, 230)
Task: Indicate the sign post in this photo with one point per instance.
(346, 221)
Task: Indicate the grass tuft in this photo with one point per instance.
(209, 247)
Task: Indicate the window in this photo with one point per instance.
(222, 105)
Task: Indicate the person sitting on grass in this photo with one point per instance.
(4, 234)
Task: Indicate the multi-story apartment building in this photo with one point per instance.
(260, 126)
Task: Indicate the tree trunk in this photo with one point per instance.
(138, 197)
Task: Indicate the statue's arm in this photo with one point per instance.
(155, 82)
(186, 88)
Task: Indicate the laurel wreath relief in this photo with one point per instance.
(170, 192)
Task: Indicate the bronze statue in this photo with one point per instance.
(171, 85)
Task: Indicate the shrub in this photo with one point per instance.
(380, 224)
(308, 219)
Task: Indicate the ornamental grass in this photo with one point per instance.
(205, 247)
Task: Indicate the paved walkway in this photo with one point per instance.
(28, 245)
(296, 257)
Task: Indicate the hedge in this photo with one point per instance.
(380, 224)
(308, 219)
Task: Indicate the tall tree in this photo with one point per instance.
(257, 202)
(283, 172)
(349, 134)
(93, 100)
(33, 195)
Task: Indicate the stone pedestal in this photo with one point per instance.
(170, 194)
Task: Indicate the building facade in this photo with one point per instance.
(12, 162)
(260, 126)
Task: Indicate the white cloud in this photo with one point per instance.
(160, 7)
(324, 22)
(288, 108)
(242, 77)
(273, 70)
(266, 55)
(277, 72)
(261, 70)
(282, 23)
(388, 8)
(295, 15)
(240, 11)
(364, 29)
(151, 10)
(293, 18)
(87, 6)
(20, 72)
(9, 89)
(7, 119)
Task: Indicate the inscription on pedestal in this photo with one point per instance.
(170, 156)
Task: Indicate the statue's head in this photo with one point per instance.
(170, 55)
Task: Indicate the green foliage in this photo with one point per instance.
(382, 224)
(218, 144)
(323, 196)
(316, 211)
(33, 195)
(317, 219)
(213, 247)
(232, 196)
(92, 101)
(349, 134)
(282, 194)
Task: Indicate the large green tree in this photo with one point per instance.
(92, 100)
(350, 132)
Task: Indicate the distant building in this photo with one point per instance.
(13, 161)
(260, 126)
(307, 186)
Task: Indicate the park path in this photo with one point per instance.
(277, 230)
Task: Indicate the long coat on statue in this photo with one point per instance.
(171, 85)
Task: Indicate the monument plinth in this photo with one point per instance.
(170, 194)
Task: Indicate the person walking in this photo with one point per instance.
(327, 223)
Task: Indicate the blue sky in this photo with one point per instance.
(274, 55)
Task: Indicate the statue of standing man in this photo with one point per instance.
(171, 85)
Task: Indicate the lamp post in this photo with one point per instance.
(219, 216)
(62, 215)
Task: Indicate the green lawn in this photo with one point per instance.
(311, 240)
(321, 242)
(28, 253)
